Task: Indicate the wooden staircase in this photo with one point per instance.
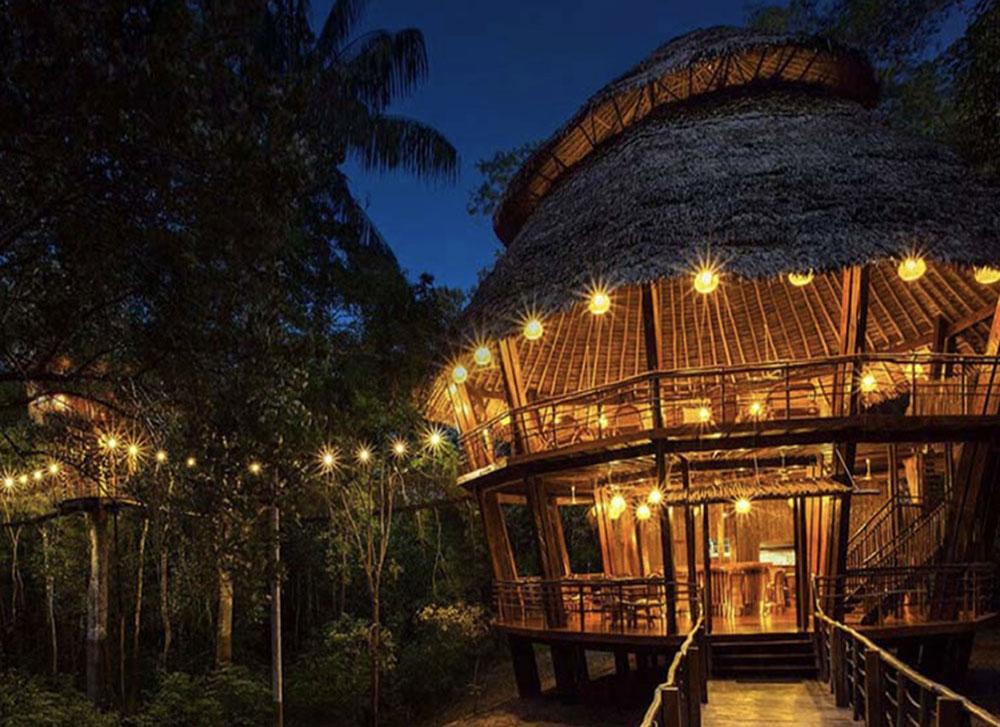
(763, 656)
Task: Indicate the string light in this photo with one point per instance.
(133, 450)
(254, 468)
(53, 468)
(22, 480)
(704, 414)
(363, 455)
(912, 268)
(399, 448)
(8, 482)
(987, 275)
(706, 280)
(191, 462)
(868, 383)
(37, 475)
(459, 374)
(642, 512)
(655, 497)
(800, 279)
(756, 409)
(600, 302)
(161, 456)
(328, 459)
(532, 329)
(483, 356)
(742, 506)
(434, 439)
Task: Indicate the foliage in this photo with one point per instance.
(230, 696)
(496, 173)
(975, 66)
(27, 701)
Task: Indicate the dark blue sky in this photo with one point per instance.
(501, 74)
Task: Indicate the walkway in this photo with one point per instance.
(751, 703)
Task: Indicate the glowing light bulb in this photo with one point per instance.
(706, 280)
(602, 422)
(399, 448)
(742, 506)
(434, 439)
(37, 475)
(800, 279)
(328, 459)
(161, 456)
(600, 302)
(532, 329)
(642, 512)
(8, 482)
(756, 409)
(111, 443)
(704, 414)
(53, 468)
(791, 503)
(363, 455)
(655, 497)
(868, 383)
(459, 374)
(482, 356)
(254, 468)
(912, 268)
(618, 504)
(987, 275)
(191, 462)
(133, 450)
(22, 480)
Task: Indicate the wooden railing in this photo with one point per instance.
(882, 690)
(881, 532)
(677, 702)
(907, 596)
(646, 606)
(705, 400)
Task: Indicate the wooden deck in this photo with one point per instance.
(752, 703)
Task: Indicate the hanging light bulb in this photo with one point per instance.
(8, 482)
(912, 268)
(642, 512)
(618, 505)
(363, 455)
(532, 329)
(482, 355)
(191, 462)
(161, 456)
(459, 374)
(254, 468)
(655, 497)
(399, 448)
(706, 280)
(53, 468)
(868, 383)
(987, 275)
(800, 279)
(742, 506)
(756, 409)
(705, 414)
(600, 302)
(434, 439)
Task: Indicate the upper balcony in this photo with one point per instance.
(871, 397)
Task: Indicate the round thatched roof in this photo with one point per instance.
(758, 150)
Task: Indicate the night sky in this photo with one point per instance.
(501, 74)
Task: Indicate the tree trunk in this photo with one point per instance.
(376, 653)
(50, 598)
(168, 633)
(97, 606)
(276, 675)
(137, 620)
(224, 629)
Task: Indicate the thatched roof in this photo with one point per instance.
(755, 490)
(767, 159)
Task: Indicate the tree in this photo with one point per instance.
(496, 173)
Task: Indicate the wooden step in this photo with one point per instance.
(764, 655)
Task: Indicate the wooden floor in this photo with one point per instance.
(751, 703)
(596, 624)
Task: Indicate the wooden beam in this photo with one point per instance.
(846, 398)
(513, 384)
(692, 564)
(497, 539)
(550, 559)
(706, 557)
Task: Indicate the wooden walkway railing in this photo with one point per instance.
(705, 399)
(882, 690)
(677, 702)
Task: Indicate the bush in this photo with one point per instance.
(32, 702)
(230, 696)
(330, 683)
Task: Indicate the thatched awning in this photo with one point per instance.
(756, 490)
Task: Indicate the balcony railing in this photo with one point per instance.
(908, 596)
(598, 605)
(879, 688)
(706, 400)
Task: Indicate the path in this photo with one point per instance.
(751, 703)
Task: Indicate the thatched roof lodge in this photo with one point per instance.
(728, 280)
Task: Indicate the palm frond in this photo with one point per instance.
(392, 142)
(384, 66)
(339, 23)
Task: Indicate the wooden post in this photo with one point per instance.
(522, 655)
(667, 548)
(873, 688)
(837, 667)
(550, 558)
(510, 370)
(846, 402)
(497, 539)
(692, 564)
(694, 686)
(670, 707)
(97, 605)
(951, 712)
(706, 556)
